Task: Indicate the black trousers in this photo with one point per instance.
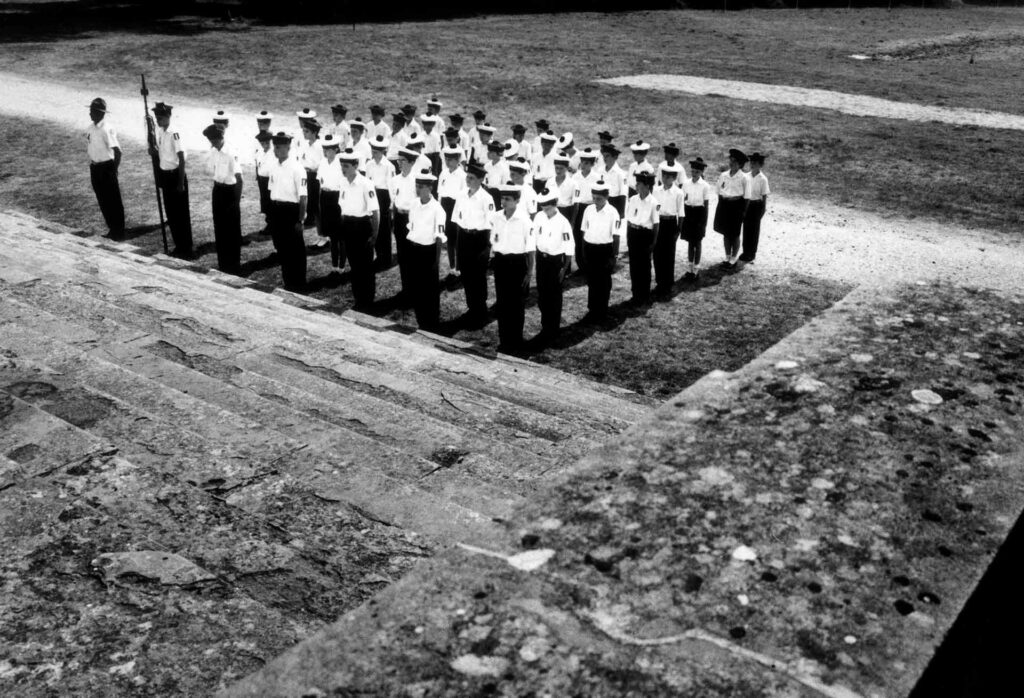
(425, 287)
(435, 164)
(640, 242)
(549, 291)
(356, 234)
(451, 230)
(577, 235)
(400, 220)
(473, 254)
(179, 218)
(619, 204)
(752, 229)
(227, 228)
(383, 246)
(510, 289)
(312, 198)
(539, 185)
(330, 226)
(289, 243)
(108, 195)
(600, 265)
(264, 186)
(665, 253)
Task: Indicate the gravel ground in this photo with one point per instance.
(816, 238)
(858, 105)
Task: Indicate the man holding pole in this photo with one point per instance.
(173, 183)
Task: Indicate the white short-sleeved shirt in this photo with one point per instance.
(582, 185)
(398, 141)
(671, 200)
(102, 139)
(554, 234)
(512, 235)
(426, 222)
(262, 159)
(696, 193)
(329, 174)
(363, 150)
(543, 166)
(566, 190)
(525, 150)
(342, 131)
(733, 185)
(643, 213)
(432, 141)
(528, 199)
(223, 165)
(377, 129)
(403, 191)
(473, 211)
(758, 187)
(601, 227)
(615, 178)
(465, 143)
(380, 173)
(451, 183)
(635, 167)
(168, 144)
(287, 180)
(310, 155)
(497, 173)
(358, 197)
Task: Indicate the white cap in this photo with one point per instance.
(565, 141)
(639, 147)
(220, 115)
(329, 141)
(424, 176)
(511, 148)
(519, 165)
(306, 113)
(264, 115)
(380, 142)
(674, 168)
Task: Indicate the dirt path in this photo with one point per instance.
(812, 237)
(858, 105)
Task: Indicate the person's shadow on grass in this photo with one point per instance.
(330, 281)
(252, 266)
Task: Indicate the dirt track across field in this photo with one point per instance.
(812, 237)
(857, 105)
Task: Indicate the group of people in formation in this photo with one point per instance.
(527, 209)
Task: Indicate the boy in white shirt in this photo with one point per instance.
(601, 228)
(670, 198)
(450, 186)
(733, 186)
(757, 204)
(423, 247)
(696, 194)
(555, 248)
(643, 218)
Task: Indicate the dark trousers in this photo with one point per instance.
(401, 224)
(435, 164)
(108, 195)
(425, 287)
(383, 246)
(290, 246)
(312, 198)
(179, 219)
(330, 226)
(264, 186)
(577, 236)
(549, 291)
(619, 204)
(695, 223)
(752, 229)
(665, 254)
(356, 234)
(539, 185)
(600, 264)
(640, 242)
(510, 288)
(451, 230)
(227, 228)
(473, 254)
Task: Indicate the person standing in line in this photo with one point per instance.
(360, 221)
(477, 144)
(412, 121)
(543, 165)
(263, 119)
(514, 247)
(583, 182)
(434, 109)
(173, 181)
(403, 196)
(601, 227)
(423, 246)
(329, 176)
(525, 150)
(380, 172)
(104, 152)
(671, 153)
(450, 186)
(696, 194)
(733, 186)
(226, 198)
(377, 125)
(639, 164)
(670, 198)
(309, 155)
(518, 169)
(615, 177)
(555, 247)
(456, 122)
(566, 190)
(496, 169)
(480, 154)
(566, 145)
(472, 213)
(340, 128)
(357, 141)
(432, 142)
(264, 154)
(288, 196)
(542, 127)
(399, 137)
(643, 218)
(757, 204)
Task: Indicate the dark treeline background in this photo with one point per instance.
(114, 12)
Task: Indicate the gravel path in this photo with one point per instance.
(811, 237)
(858, 105)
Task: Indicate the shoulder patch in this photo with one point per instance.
(490, 206)
(176, 135)
(371, 194)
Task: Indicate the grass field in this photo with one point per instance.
(523, 68)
